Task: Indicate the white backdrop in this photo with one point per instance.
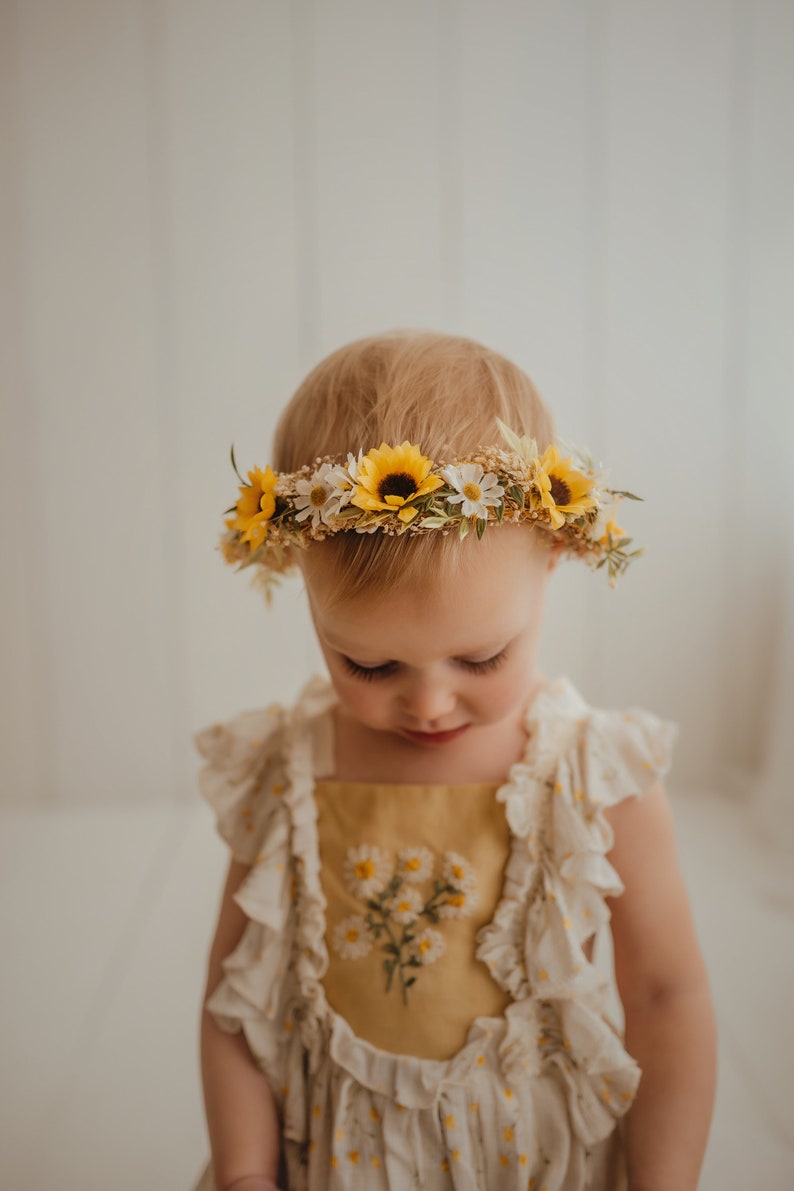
(200, 200)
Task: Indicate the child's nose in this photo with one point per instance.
(429, 699)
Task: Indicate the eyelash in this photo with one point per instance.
(370, 673)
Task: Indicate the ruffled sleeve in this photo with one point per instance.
(243, 776)
(244, 781)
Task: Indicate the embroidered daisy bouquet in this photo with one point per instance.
(400, 901)
(398, 489)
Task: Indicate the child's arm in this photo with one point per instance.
(664, 987)
(241, 1114)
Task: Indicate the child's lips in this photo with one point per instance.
(437, 737)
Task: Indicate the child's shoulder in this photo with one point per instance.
(602, 753)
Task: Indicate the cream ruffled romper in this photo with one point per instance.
(412, 979)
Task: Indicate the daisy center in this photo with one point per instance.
(412, 865)
(397, 483)
(472, 491)
(364, 870)
(351, 935)
(317, 496)
(561, 493)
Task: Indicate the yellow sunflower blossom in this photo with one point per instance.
(560, 488)
(390, 478)
(255, 507)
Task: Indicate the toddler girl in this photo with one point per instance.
(402, 991)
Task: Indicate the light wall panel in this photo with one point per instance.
(378, 169)
(91, 396)
(25, 712)
(758, 558)
(667, 153)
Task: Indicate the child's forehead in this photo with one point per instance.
(472, 609)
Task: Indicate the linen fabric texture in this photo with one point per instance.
(489, 1057)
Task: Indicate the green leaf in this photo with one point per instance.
(464, 528)
(482, 525)
(517, 495)
(239, 477)
(628, 495)
(500, 510)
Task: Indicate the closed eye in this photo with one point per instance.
(369, 673)
(485, 666)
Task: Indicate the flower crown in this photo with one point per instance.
(399, 490)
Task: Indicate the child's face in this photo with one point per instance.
(433, 664)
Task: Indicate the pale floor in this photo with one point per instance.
(105, 917)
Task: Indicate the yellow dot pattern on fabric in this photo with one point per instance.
(543, 974)
(509, 1093)
(277, 789)
(288, 1025)
(508, 1133)
(374, 1114)
(522, 1158)
(375, 1160)
(340, 1133)
(480, 1060)
(504, 1160)
(474, 1106)
(334, 1161)
(317, 1111)
(445, 1166)
(456, 1155)
(450, 1122)
(354, 1156)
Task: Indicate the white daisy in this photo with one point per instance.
(459, 872)
(475, 490)
(344, 480)
(427, 947)
(458, 905)
(350, 938)
(313, 495)
(367, 870)
(406, 906)
(414, 864)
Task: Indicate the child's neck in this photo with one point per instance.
(484, 753)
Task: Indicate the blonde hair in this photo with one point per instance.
(443, 392)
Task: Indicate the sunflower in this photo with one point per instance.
(255, 507)
(391, 477)
(561, 489)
